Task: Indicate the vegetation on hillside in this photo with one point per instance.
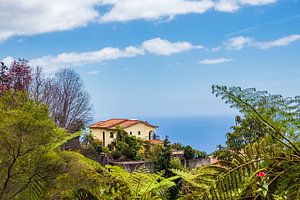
(261, 159)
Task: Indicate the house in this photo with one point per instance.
(178, 153)
(106, 131)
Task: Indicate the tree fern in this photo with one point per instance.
(230, 182)
(276, 155)
(143, 185)
(283, 125)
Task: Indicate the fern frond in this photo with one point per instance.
(66, 139)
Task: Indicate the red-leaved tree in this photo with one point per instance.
(17, 77)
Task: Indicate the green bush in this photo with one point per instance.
(188, 152)
(175, 163)
(97, 145)
(126, 145)
(116, 154)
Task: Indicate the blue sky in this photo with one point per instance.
(151, 58)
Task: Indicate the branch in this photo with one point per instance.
(263, 120)
(8, 176)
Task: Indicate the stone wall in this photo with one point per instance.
(194, 163)
(132, 166)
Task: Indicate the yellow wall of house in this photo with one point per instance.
(144, 130)
(98, 134)
(134, 130)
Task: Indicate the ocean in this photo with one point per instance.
(202, 133)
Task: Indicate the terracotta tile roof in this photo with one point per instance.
(128, 123)
(155, 141)
(124, 123)
(108, 124)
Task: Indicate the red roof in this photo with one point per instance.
(123, 123)
(155, 141)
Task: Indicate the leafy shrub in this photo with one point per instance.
(175, 163)
(188, 152)
(116, 154)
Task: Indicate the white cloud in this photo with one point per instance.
(164, 47)
(155, 46)
(93, 72)
(215, 61)
(19, 17)
(227, 5)
(257, 2)
(125, 10)
(52, 63)
(284, 41)
(234, 5)
(216, 49)
(31, 17)
(240, 42)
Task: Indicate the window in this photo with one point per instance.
(111, 135)
(139, 132)
(130, 133)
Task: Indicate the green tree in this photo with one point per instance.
(26, 133)
(87, 139)
(126, 145)
(177, 146)
(267, 168)
(200, 154)
(162, 162)
(246, 130)
(132, 151)
(32, 166)
(175, 163)
(222, 153)
(188, 152)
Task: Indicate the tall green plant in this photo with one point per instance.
(26, 136)
(265, 169)
(284, 123)
(32, 166)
